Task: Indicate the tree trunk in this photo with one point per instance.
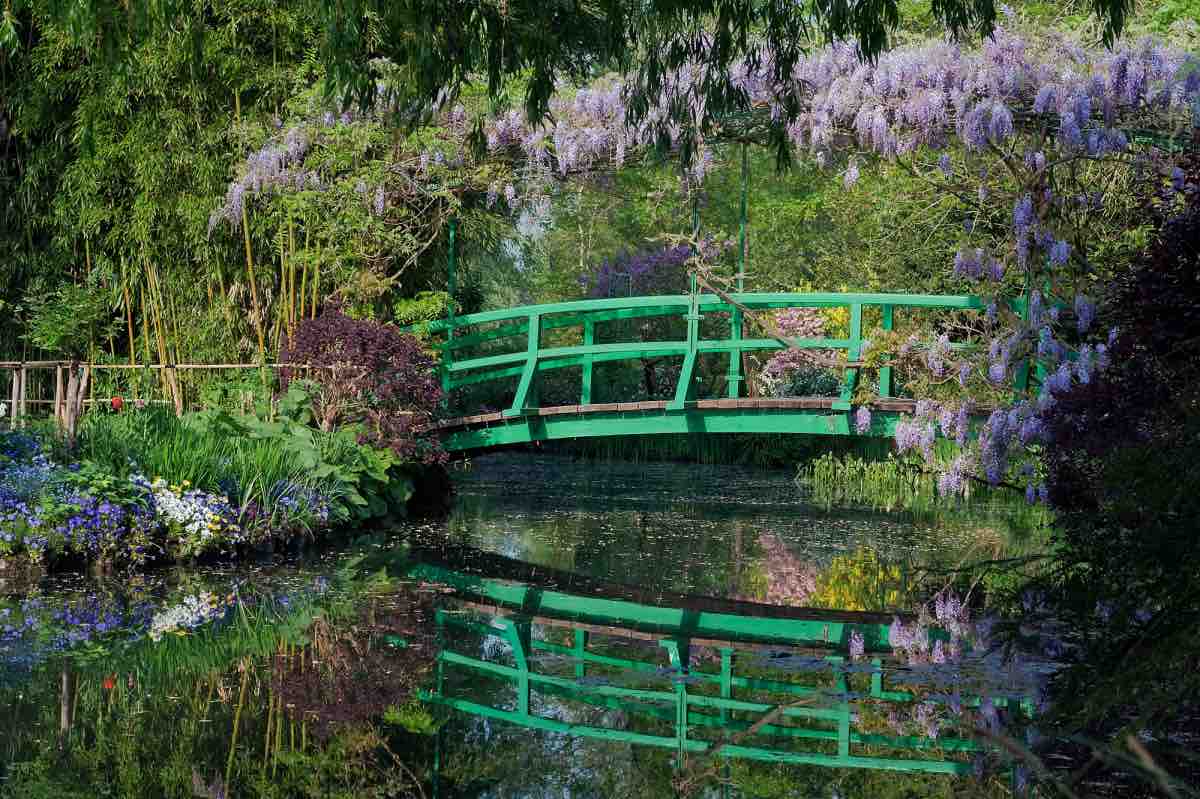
(77, 385)
(66, 706)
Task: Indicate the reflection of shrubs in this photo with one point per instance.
(859, 582)
(370, 374)
(356, 670)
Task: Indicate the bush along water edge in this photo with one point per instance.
(143, 486)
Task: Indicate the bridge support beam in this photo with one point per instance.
(685, 388)
(530, 371)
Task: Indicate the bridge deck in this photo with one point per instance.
(661, 406)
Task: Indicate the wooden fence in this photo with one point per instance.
(73, 385)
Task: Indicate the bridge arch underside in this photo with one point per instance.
(807, 416)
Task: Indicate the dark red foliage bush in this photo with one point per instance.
(1125, 486)
(370, 374)
(1149, 389)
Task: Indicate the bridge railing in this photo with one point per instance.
(527, 325)
(694, 710)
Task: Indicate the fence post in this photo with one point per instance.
(15, 391)
(24, 393)
(58, 397)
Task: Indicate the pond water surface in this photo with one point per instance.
(405, 687)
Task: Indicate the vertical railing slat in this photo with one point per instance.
(885, 372)
(589, 338)
(853, 354)
(735, 356)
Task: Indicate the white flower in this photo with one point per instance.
(191, 613)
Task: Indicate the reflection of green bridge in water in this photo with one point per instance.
(522, 344)
(730, 712)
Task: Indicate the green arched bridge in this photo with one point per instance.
(524, 343)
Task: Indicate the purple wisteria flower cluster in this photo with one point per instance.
(658, 271)
(798, 324)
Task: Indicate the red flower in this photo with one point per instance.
(111, 680)
(117, 403)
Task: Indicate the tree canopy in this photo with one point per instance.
(439, 47)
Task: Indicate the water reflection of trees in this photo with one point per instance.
(326, 713)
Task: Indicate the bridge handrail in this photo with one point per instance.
(531, 320)
(710, 302)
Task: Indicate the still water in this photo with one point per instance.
(572, 629)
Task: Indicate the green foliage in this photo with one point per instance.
(69, 320)
(426, 306)
(413, 717)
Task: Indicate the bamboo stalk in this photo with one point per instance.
(128, 314)
(169, 375)
(237, 718)
(270, 719)
(262, 344)
(291, 276)
(278, 735)
(304, 274)
(280, 304)
(316, 281)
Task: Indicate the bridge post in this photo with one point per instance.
(530, 371)
(679, 652)
(885, 372)
(452, 290)
(589, 338)
(853, 354)
(735, 356)
(684, 389)
(580, 649)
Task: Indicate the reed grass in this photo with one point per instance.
(157, 444)
(891, 485)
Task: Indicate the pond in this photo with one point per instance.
(572, 629)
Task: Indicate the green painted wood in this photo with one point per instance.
(680, 707)
(683, 387)
(580, 652)
(698, 719)
(885, 372)
(734, 378)
(530, 372)
(536, 601)
(712, 302)
(527, 364)
(850, 381)
(726, 679)
(528, 429)
(451, 289)
(550, 357)
(698, 746)
(589, 339)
